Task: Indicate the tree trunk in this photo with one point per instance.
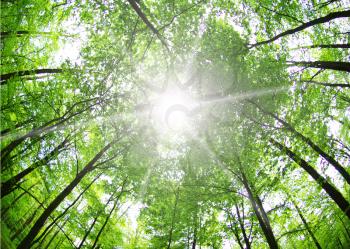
(317, 244)
(173, 219)
(27, 241)
(333, 65)
(234, 229)
(4, 211)
(270, 237)
(54, 235)
(44, 129)
(327, 18)
(325, 84)
(8, 186)
(241, 224)
(109, 216)
(94, 222)
(25, 224)
(144, 18)
(66, 210)
(327, 46)
(307, 140)
(19, 125)
(194, 242)
(337, 197)
(5, 77)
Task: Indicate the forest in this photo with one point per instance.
(188, 124)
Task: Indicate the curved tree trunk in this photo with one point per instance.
(327, 46)
(44, 129)
(337, 197)
(308, 141)
(8, 186)
(94, 222)
(333, 65)
(270, 237)
(27, 241)
(327, 18)
(66, 210)
(144, 18)
(18, 125)
(109, 216)
(5, 77)
(306, 225)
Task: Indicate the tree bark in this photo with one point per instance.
(94, 222)
(66, 210)
(327, 18)
(173, 219)
(8, 186)
(336, 196)
(27, 241)
(333, 65)
(327, 46)
(5, 77)
(44, 129)
(270, 237)
(308, 141)
(306, 225)
(144, 18)
(4, 211)
(109, 216)
(241, 224)
(19, 125)
(326, 84)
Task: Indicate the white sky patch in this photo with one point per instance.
(81, 206)
(227, 244)
(334, 128)
(132, 213)
(106, 178)
(70, 50)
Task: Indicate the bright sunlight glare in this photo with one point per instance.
(172, 110)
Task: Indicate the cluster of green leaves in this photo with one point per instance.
(231, 181)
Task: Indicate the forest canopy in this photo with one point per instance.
(175, 124)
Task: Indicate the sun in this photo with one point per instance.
(172, 110)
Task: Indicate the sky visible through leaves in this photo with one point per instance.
(175, 124)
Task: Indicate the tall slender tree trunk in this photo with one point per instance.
(44, 129)
(327, 18)
(173, 219)
(327, 46)
(333, 65)
(109, 216)
(234, 229)
(241, 224)
(306, 225)
(66, 210)
(8, 186)
(94, 222)
(144, 18)
(337, 197)
(5, 77)
(326, 84)
(18, 125)
(259, 210)
(194, 241)
(25, 224)
(4, 211)
(308, 141)
(27, 241)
